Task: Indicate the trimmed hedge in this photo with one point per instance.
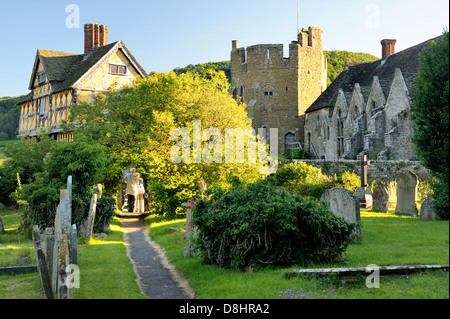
(259, 225)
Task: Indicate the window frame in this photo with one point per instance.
(117, 66)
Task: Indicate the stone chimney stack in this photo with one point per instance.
(95, 35)
(387, 47)
(235, 44)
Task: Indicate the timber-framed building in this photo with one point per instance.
(60, 80)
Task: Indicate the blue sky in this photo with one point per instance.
(163, 35)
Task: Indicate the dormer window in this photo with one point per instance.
(41, 78)
(268, 95)
(117, 69)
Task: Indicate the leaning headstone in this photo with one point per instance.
(48, 244)
(46, 291)
(407, 194)
(2, 228)
(91, 218)
(381, 198)
(427, 211)
(343, 204)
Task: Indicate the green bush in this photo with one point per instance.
(260, 225)
(347, 180)
(300, 178)
(79, 159)
(441, 198)
(104, 213)
(24, 158)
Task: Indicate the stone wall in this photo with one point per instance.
(278, 86)
(386, 171)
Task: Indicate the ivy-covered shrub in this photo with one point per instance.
(259, 225)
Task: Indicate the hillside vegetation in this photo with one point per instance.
(9, 117)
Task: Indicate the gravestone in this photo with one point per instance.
(343, 204)
(63, 290)
(381, 198)
(2, 228)
(190, 230)
(364, 193)
(48, 244)
(46, 291)
(62, 228)
(91, 218)
(74, 245)
(407, 194)
(427, 211)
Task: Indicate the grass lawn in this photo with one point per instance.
(105, 269)
(387, 240)
(107, 273)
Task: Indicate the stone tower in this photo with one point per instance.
(277, 88)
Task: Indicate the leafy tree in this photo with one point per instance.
(135, 124)
(25, 158)
(82, 160)
(337, 59)
(9, 117)
(431, 115)
(203, 69)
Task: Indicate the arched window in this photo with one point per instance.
(340, 135)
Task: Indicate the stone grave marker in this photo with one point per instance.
(46, 284)
(74, 247)
(63, 291)
(48, 244)
(91, 218)
(427, 211)
(62, 228)
(364, 193)
(406, 194)
(2, 228)
(188, 248)
(381, 198)
(344, 204)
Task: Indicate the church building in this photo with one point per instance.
(367, 109)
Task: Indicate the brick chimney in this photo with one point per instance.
(95, 35)
(387, 47)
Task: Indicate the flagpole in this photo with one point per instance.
(298, 22)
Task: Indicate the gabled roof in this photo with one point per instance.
(407, 61)
(67, 70)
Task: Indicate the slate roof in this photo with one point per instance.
(65, 69)
(407, 61)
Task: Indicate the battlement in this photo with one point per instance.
(275, 55)
(311, 37)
